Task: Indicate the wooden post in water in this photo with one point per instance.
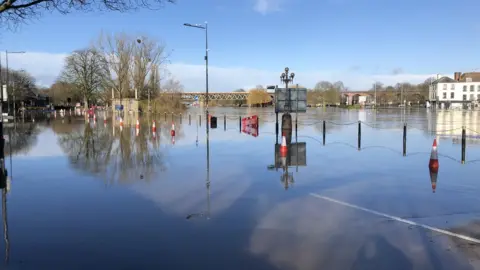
(404, 139)
(464, 143)
(323, 131)
(359, 135)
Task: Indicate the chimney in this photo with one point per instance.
(456, 76)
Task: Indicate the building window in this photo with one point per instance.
(452, 86)
(472, 88)
(471, 96)
(464, 97)
(452, 95)
(444, 95)
(464, 88)
(444, 86)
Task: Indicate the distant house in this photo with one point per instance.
(462, 90)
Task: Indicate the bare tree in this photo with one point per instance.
(149, 55)
(118, 50)
(87, 71)
(14, 12)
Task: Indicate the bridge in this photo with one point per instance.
(215, 95)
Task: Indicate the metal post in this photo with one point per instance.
(324, 131)
(464, 143)
(359, 135)
(225, 122)
(240, 124)
(189, 119)
(206, 65)
(200, 120)
(165, 116)
(375, 89)
(276, 127)
(404, 139)
(8, 81)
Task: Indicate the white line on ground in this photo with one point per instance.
(461, 236)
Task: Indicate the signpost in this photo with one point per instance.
(290, 100)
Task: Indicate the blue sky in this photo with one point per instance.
(251, 41)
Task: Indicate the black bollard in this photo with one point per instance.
(165, 116)
(240, 124)
(404, 139)
(464, 143)
(225, 122)
(200, 120)
(324, 130)
(180, 118)
(189, 119)
(359, 135)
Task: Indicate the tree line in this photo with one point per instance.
(117, 66)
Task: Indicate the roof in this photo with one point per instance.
(474, 75)
(444, 79)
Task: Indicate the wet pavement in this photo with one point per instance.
(97, 196)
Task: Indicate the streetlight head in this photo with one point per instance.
(282, 76)
(286, 70)
(292, 75)
(139, 41)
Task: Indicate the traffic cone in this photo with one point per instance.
(154, 127)
(433, 164)
(121, 122)
(137, 132)
(172, 132)
(433, 179)
(137, 126)
(283, 147)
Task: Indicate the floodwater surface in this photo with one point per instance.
(98, 195)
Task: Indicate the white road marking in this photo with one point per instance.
(445, 232)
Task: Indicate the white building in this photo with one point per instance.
(461, 91)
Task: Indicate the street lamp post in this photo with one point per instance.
(287, 78)
(205, 27)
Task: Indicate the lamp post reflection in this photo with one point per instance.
(207, 182)
(296, 156)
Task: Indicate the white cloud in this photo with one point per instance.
(266, 6)
(46, 68)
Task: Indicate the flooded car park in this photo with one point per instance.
(104, 195)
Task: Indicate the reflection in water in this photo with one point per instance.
(433, 178)
(207, 182)
(296, 156)
(120, 153)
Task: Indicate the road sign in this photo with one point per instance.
(290, 100)
(4, 89)
(196, 98)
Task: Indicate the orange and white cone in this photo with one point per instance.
(433, 164)
(137, 126)
(172, 132)
(433, 179)
(283, 147)
(121, 122)
(154, 127)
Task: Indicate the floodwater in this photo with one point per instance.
(97, 196)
